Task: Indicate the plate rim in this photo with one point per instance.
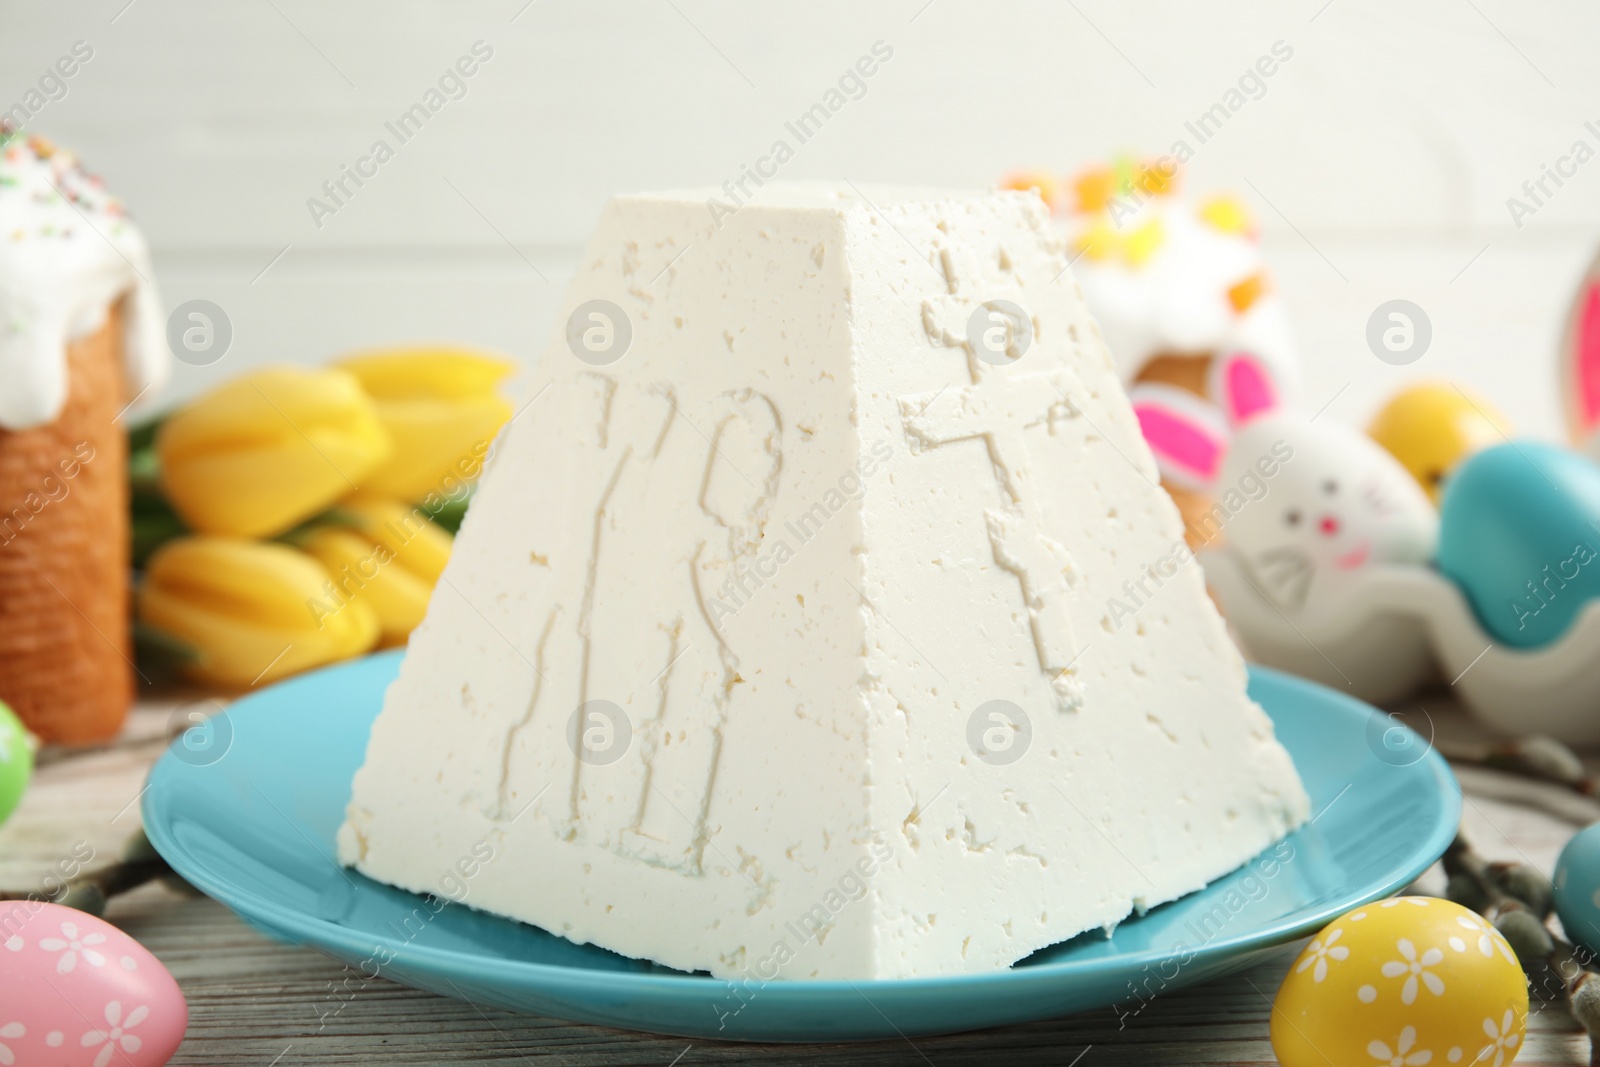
(257, 908)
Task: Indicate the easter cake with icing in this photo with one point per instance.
(82, 338)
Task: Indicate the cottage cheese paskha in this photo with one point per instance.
(775, 642)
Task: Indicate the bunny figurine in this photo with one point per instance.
(1302, 503)
(1189, 434)
(1340, 503)
(1330, 562)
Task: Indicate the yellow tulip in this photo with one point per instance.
(440, 407)
(249, 610)
(384, 554)
(269, 450)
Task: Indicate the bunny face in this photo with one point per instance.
(1338, 504)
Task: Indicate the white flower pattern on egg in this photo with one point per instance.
(1319, 953)
(1401, 1055)
(73, 947)
(1503, 1041)
(1489, 939)
(11, 1031)
(1415, 967)
(116, 1035)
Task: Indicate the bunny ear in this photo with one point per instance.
(1243, 387)
(1187, 435)
(1582, 360)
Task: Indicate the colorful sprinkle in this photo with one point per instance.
(1244, 294)
(1228, 215)
(1143, 242)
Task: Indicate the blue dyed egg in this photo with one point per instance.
(1519, 532)
(1577, 888)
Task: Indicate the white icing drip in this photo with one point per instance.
(67, 252)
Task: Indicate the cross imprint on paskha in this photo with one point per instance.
(989, 409)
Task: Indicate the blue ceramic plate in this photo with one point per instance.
(246, 809)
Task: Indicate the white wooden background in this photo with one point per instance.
(1385, 148)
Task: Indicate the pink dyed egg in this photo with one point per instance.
(77, 992)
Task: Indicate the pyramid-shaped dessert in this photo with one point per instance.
(790, 633)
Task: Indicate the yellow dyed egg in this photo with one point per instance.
(1404, 982)
(1430, 428)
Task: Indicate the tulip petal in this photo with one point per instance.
(439, 407)
(427, 372)
(368, 573)
(253, 612)
(438, 445)
(267, 451)
(421, 546)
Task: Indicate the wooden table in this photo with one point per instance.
(254, 1001)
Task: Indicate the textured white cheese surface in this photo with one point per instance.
(802, 537)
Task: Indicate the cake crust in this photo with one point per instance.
(65, 651)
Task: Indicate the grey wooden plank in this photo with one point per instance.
(257, 1001)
